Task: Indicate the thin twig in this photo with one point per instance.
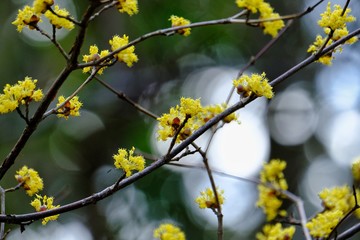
(64, 17)
(123, 96)
(55, 109)
(171, 30)
(106, 7)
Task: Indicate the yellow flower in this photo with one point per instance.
(71, 108)
(40, 6)
(26, 17)
(180, 21)
(355, 168)
(257, 84)
(335, 24)
(276, 232)
(337, 198)
(59, 22)
(30, 180)
(127, 55)
(334, 19)
(21, 93)
(168, 231)
(207, 198)
(128, 6)
(43, 203)
(269, 197)
(323, 223)
(126, 161)
(212, 110)
(266, 12)
(93, 56)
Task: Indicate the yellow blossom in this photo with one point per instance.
(43, 203)
(30, 180)
(335, 19)
(40, 6)
(276, 232)
(93, 56)
(180, 21)
(59, 22)
(21, 93)
(355, 168)
(169, 123)
(26, 17)
(337, 198)
(323, 223)
(211, 111)
(126, 161)
(168, 231)
(71, 108)
(270, 198)
(334, 25)
(207, 198)
(128, 6)
(265, 12)
(255, 83)
(127, 55)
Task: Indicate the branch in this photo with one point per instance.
(50, 95)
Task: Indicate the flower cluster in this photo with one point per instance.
(337, 202)
(29, 16)
(70, 108)
(168, 231)
(29, 180)
(127, 55)
(128, 6)
(43, 203)
(265, 10)
(126, 161)
(258, 84)
(93, 56)
(23, 92)
(270, 198)
(192, 115)
(180, 21)
(276, 232)
(334, 24)
(207, 198)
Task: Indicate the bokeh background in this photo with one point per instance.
(313, 122)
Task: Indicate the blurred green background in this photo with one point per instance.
(312, 122)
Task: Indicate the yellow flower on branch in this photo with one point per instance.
(43, 203)
(168, 231)
(266, 12)
(207, 198)
(93, 56)
(30, 180)
(40, 6)
(128, 6)
(59, 22)
(180, 21)
(23, 92)
(26, 17)
(334, 24)
(127, 55)
(71, 107)
(255, 83)
(270, 198)
(276, 232)
(126, 161)
(322, 224)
